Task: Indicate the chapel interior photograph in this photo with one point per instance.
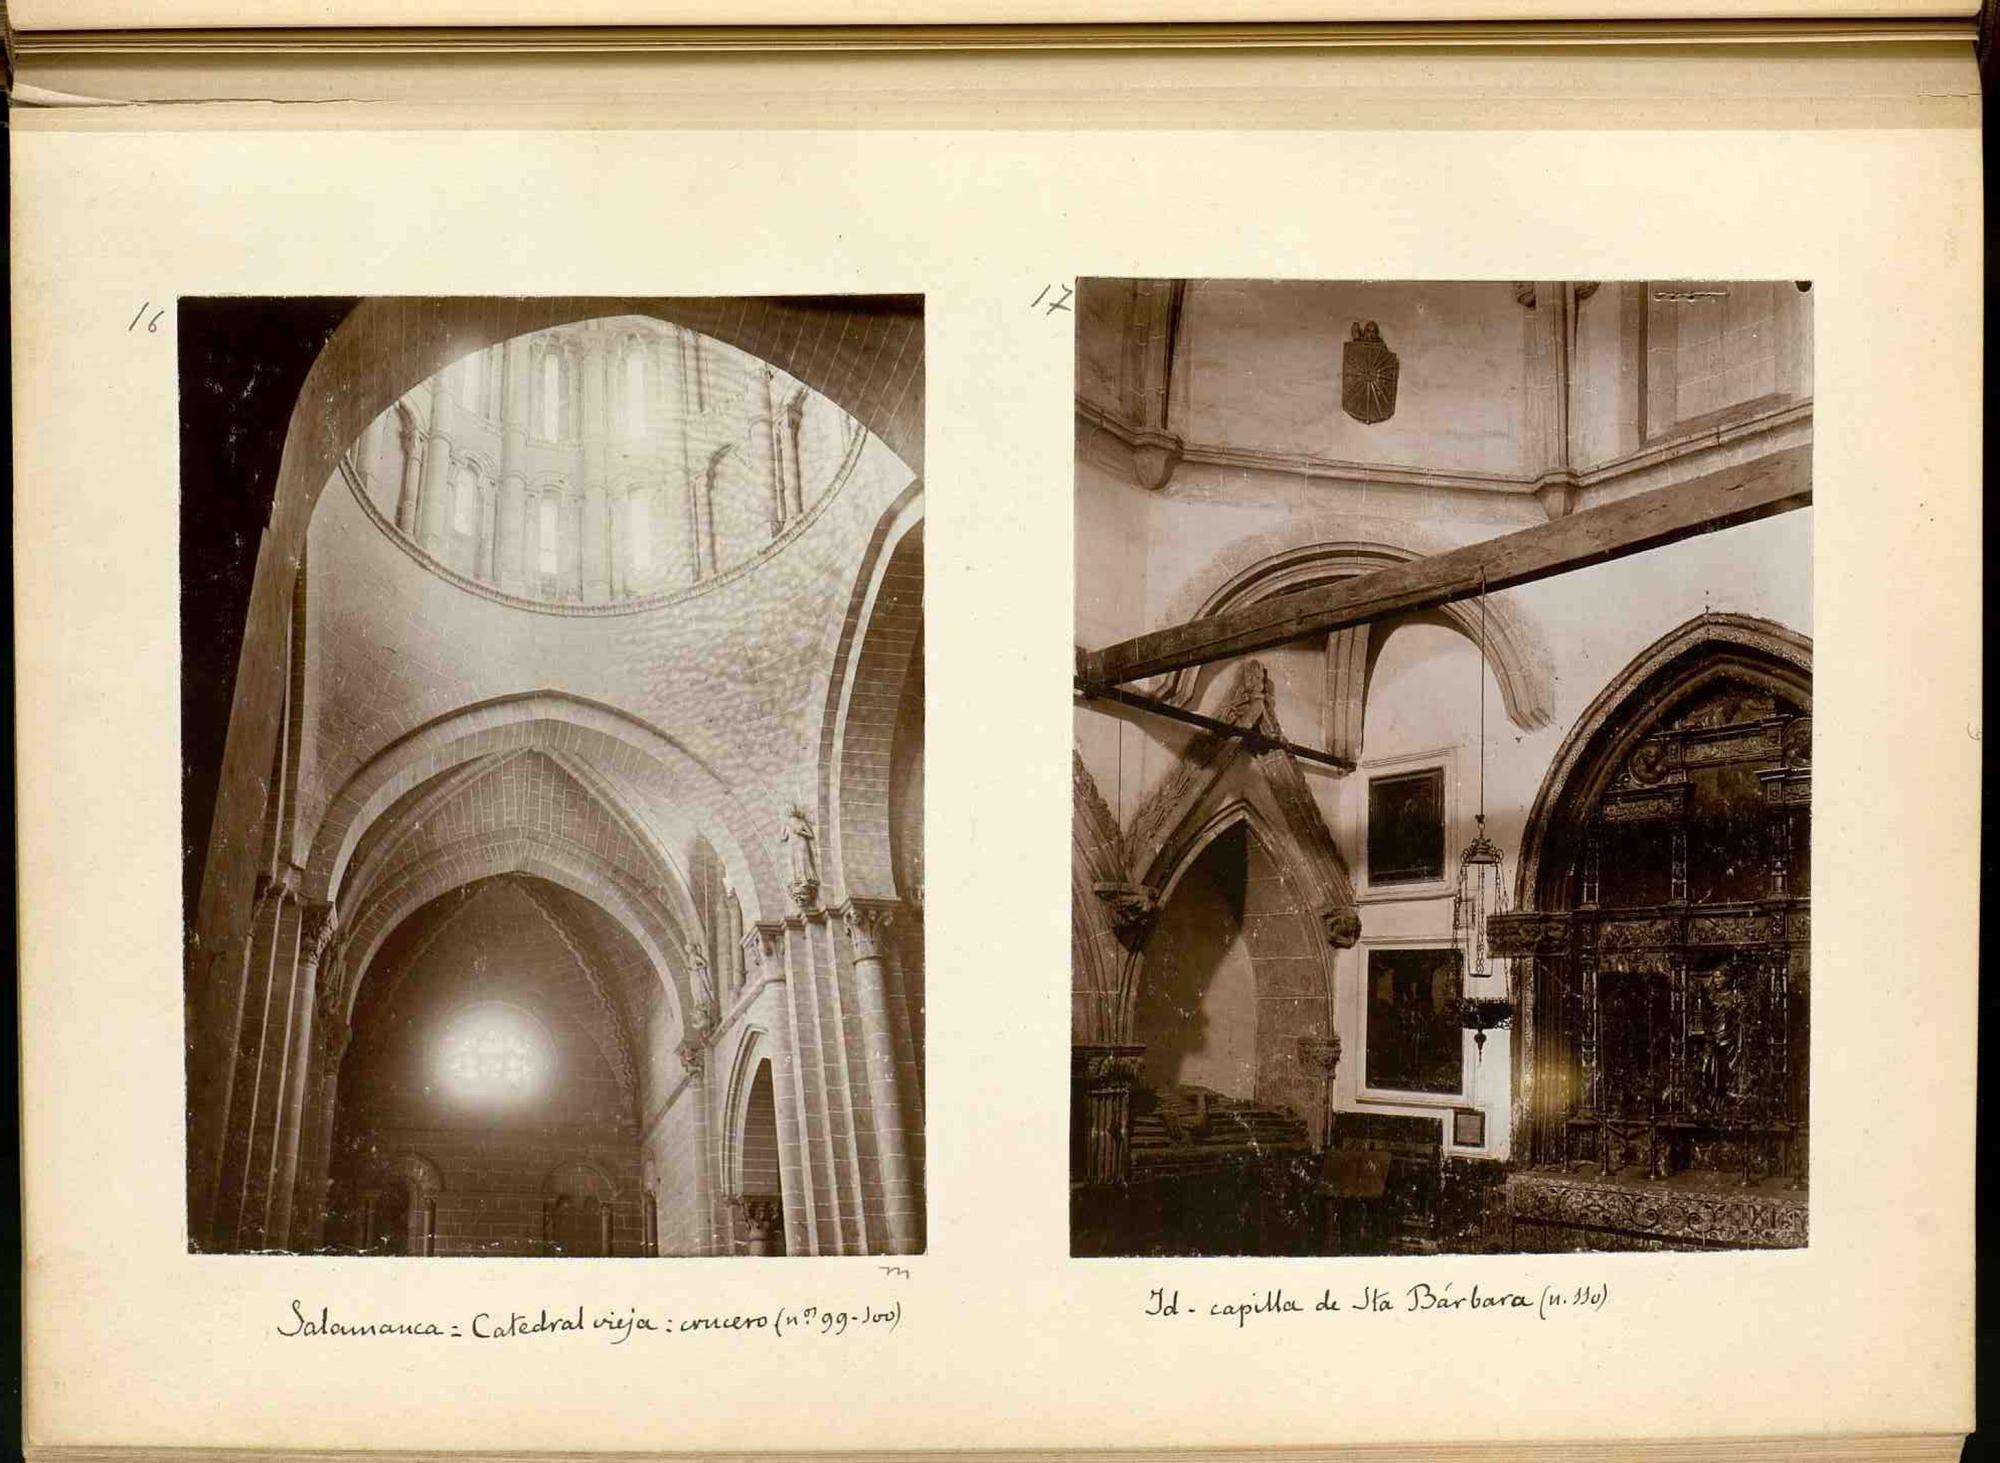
(1441, 856)
(553, 729)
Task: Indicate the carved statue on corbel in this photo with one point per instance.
(701, 984)
(760, 1215)
(800, 838)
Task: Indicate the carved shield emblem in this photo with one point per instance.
(1368, 371)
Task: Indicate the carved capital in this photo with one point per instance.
(1320, 1055)
(318, 921)
(693, 1053)
(1135, 909)
(1107, 1068)
(868, 922)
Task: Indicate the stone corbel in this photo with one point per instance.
(1135, 909)
(1341, 924)
(1155, 456)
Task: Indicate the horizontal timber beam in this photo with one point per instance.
(1740, 494)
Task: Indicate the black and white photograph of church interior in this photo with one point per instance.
(553, 729)
(1440, 861)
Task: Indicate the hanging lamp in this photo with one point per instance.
(1480, 893)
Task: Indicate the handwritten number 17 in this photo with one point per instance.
(152, 325)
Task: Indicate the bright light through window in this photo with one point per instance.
(492, 1054)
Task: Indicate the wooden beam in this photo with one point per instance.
(1255, 740)
(1740, 494)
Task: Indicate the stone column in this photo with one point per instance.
(1319, 1058)
(512, 564)
(331, 1034)
(570, 537)
(789, 473)
(411, 491)
(704, 514)
(618, 533)
(592, 449)
(482, 563)
(260, 1086)
(868, 922)
(316, 927)
(762, 453)
(1101, 1082)
(531, 541)
(434, 516)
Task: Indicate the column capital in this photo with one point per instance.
(868, 922)
(1106, 1067)
(318, 920)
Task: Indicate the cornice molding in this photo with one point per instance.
(1482, 484)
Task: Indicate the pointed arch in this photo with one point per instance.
(627, 753)
(1318, 550)
(520, 851)
(1706, 646)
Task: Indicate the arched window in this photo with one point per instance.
(546, 553)
(551, 396)
(635, 393)
(465, 502)
(639, 528)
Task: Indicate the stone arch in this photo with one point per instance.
(413, 1169)
(520, 851)
(616, 744)
(577, 1200)
(581, 1178)
(1708, 645)
(387, 346)
(1316, 550)
(1097, 862)
(882, 631)
(752, 1049)
(1291, 963)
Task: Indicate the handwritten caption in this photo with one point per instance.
(1442, 1298)
(616, 1325)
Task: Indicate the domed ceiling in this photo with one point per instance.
(606, 465)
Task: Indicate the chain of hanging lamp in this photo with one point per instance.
(1480, 892)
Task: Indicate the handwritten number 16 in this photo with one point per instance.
(152, 325)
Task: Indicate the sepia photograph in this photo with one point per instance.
(1442, 774)
(553, 793)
